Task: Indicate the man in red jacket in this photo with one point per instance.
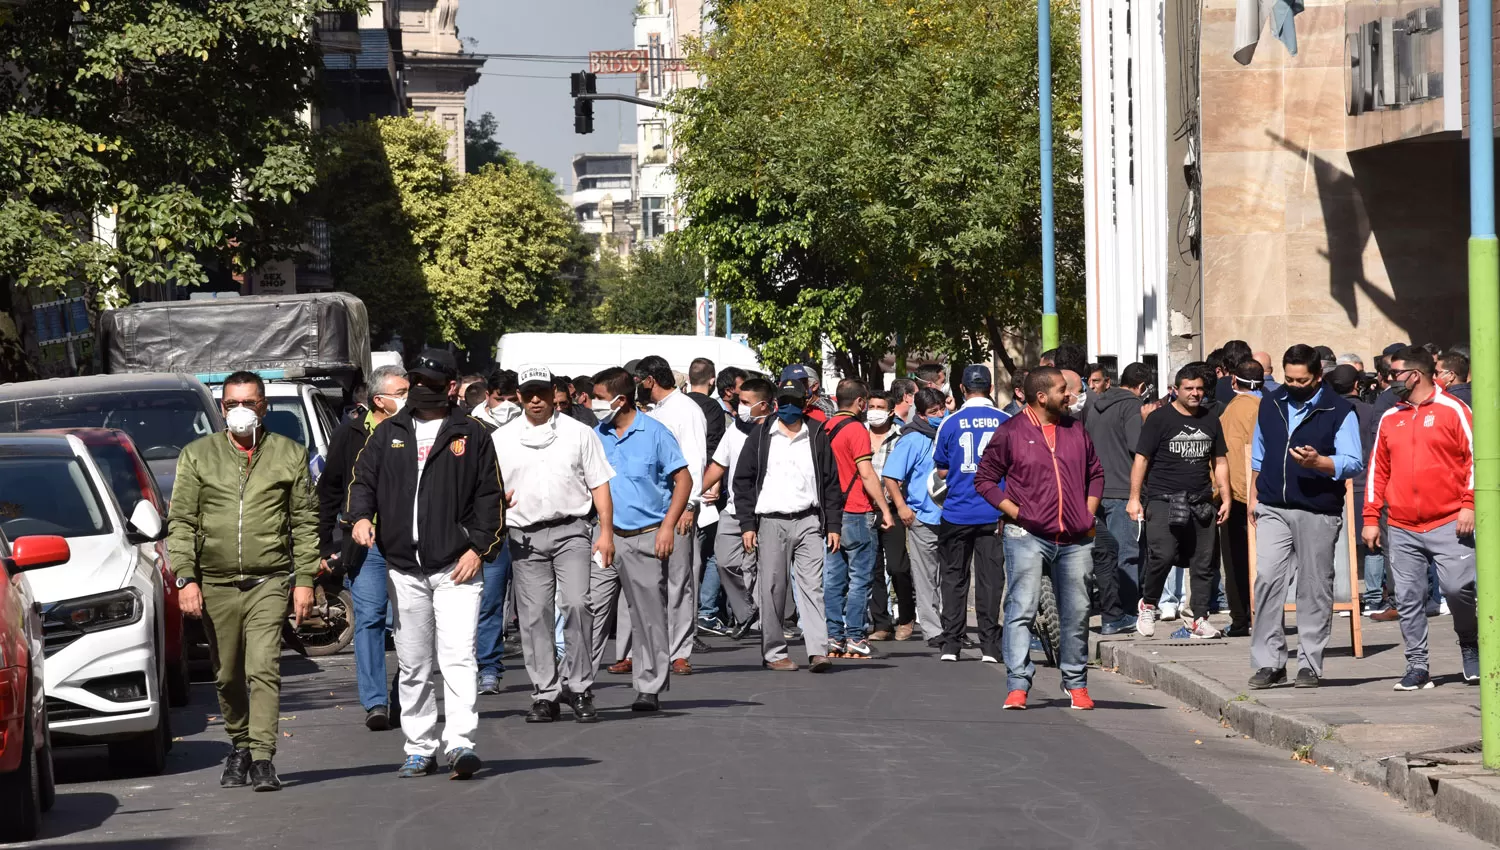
(1040, 470)
(1422, 473)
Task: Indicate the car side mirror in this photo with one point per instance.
(145, 525)
(39, 552)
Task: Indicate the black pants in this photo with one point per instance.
(1235, 545)
(957, 545)
(1168, 546)
(891, 560)
(1107, 572)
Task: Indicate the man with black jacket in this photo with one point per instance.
(431, 475)
(364, 570)
(1114, 424)
(787, 484)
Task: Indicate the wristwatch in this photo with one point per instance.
(184, 581)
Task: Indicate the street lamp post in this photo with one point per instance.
(1484, 324)
(1049, 260)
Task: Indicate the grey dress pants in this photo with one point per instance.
(553, 563)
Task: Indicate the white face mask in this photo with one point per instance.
(747, 415)
(396, 402)
(505, 411)
(242, 421)
(1078, 404)
(605, 411)
(877, 418)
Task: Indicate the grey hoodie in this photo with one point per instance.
(1114, 424)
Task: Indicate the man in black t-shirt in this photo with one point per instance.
(1180, 457)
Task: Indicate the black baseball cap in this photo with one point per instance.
(1393, 348)
(977, 377)
(791, 390)
(436, 365)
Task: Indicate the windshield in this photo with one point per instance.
(287, 417)
(160, 422)
(121, 474)
(49, 495)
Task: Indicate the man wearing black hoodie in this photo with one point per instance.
(1114, 424)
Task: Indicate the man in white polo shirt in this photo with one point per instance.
(736, 565)
(555, 468)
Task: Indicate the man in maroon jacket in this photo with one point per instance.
(1040, 470)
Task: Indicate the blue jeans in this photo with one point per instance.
(372, 617)
(710, 586)
(846, 578)
(489, 637)
(1374, 594)
(1070, 563)
(1127, 537)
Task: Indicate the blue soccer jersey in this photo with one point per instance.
(961, 440)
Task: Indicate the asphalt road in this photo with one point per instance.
(902, 751)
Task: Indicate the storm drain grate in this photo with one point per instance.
(1460, 754)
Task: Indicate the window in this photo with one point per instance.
(49, 495)
(160, 422)
(653, 217)
(124, 478)
(287, 417)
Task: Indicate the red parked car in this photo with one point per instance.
(26, 785)
(131, 481)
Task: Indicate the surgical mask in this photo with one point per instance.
(747, 414)
(397, 403)
(1302, 394)
(935, 421)
(242, 421)
(789, 413)
(1078, 404)
(605, 411)
(505, 411)
(1400, 389)
(877, 418)
(539, 436)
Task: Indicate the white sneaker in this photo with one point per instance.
(1168, 611)
(990, 659)
(1203, 630)
(1443, 608)
(1145, 620)
(948, 656)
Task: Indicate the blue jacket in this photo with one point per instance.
(1287, 484)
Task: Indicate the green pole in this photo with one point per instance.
(1484, 323)
(1049, 331)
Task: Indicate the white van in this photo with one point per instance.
(589, 354)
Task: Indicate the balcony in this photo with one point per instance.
(337, 32)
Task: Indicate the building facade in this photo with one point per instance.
(604, 200)
(661, 28)
(438, 71)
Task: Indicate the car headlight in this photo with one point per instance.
(95, 613)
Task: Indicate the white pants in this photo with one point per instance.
(435, 617)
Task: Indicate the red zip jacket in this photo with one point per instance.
(1051, 485)
(1422, 464)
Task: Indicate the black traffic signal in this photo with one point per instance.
(584, 83)
(583, 117)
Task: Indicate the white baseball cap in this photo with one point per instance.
(531, 374)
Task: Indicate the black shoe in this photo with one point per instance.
(1267, 677)
(263, 776)
(712, 626)
(646, 702)
(1237, 631)
(745, 628)
(543, 711)
(236, 770)
(1307, 679)
(377, 719)
(968, 643)
(935, 642)
(699, 645)
(583, 707)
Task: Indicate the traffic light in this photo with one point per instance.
(583, 83)
(583, 117)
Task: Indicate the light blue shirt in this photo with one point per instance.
(645, 459)
(910, 463)
(1348, 449)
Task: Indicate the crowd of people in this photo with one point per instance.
(650, 509)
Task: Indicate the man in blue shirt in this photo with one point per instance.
(1306, 445)
(905, 476)
(652, 485)
(968, 526)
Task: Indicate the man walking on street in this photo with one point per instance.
(430, 475)
(1041, 472)
(365, 570)
(1114, 425)
(788, 501)
(685, 420)
(1306, 445)
(651, 493)
(848, 571)
(892, 572)
(701, 381)
(906, 474)
(1178, 462)
(1422, 473)
(243, 530)
(556, 472)
(736, 565)
(1238, 423)
(967, 533)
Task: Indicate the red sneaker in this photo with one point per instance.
(1081, 699)
(1015, 700)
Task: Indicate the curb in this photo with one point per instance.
(1449, 793)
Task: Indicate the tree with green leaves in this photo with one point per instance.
(869, 171)
(654, 293)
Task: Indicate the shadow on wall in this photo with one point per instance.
(1411, 199)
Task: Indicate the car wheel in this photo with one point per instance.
(145, 754)
(179, 692)
(21, 793)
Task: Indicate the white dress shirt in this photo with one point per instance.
(727, 455)
(553, 473)
(791, 483)
(684, 418)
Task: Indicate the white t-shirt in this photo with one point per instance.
(427, 432)
(553, 473)
(727, 455)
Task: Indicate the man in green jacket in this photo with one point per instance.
(243, 528)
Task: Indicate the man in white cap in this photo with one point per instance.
(556, 472)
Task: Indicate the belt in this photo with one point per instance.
(551, 523)
(797, 515)
(637, 532)
(249, 583)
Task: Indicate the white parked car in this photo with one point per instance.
(103, 610)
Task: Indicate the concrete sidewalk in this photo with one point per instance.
(1419, 746)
